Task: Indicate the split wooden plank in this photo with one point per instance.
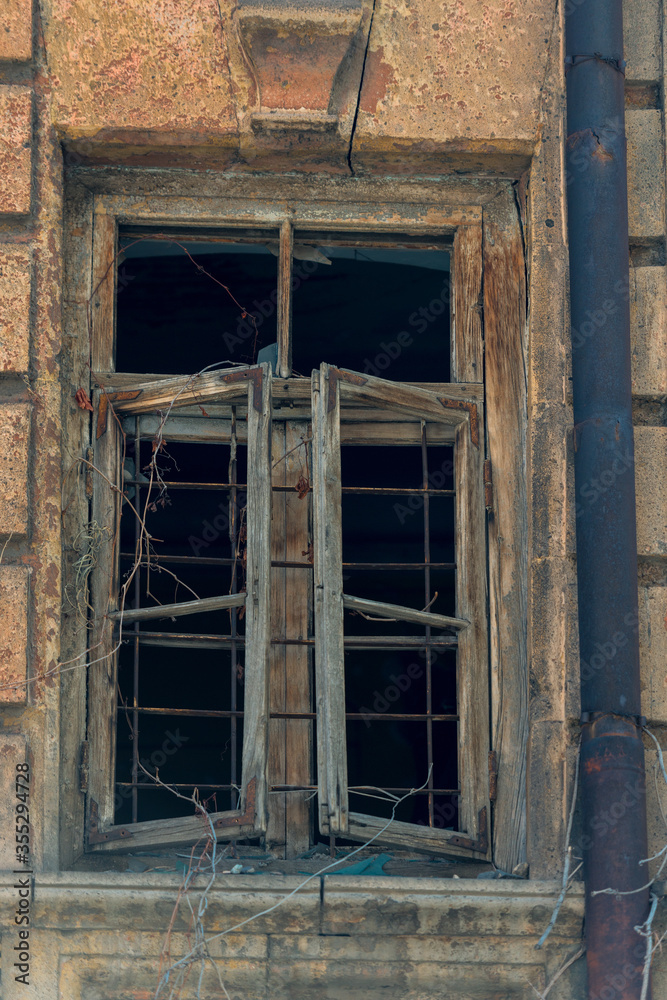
(181, 390)
(328, 604)
(403, 614)
(104, 587)
(298, 390)
(171, 833)
(104, 513)
(114, 381)
(409, 835)
(196, 607)
(258, 601)
(505, 330)
(467, 329)
(442, 405)
(473, 676)
(101, 317)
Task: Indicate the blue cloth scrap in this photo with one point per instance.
(371, 866)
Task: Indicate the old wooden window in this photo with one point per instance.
(296, 622)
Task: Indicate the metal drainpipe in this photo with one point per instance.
(612, 762)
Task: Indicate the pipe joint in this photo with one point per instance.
(617, 721)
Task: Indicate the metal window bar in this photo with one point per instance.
(226, 713)
(233, 612)
(428, 643)
(222, 561)
(206, 641)
(368, 490)
(427, 628)
(358, 789)
(234, 642)
(137, 605)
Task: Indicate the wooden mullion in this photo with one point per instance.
(102, 303)
(285, 256)
(258, 603)
(78, 224)
(105, 513)
(506, 423)
(328, 606)
(467, 326)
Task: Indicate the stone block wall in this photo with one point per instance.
(644, 53)
(339, 938)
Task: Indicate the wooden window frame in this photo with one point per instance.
(486, 240)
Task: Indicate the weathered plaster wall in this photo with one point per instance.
(455, 80)
(446, 87)
(448, 79)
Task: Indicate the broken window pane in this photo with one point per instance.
(381, 311)
(172, 318)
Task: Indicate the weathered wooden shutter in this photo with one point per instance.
(328, 605)
(461, 410)
(251, 816)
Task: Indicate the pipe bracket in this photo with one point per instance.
(617, 64)
(588, 718)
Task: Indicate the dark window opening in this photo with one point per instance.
(401, 704)
(180, 679)
(381, 311)
(172, 318)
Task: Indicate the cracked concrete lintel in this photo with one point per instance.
(361, 84)
(68, 900)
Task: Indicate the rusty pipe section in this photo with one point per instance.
(612, 767)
